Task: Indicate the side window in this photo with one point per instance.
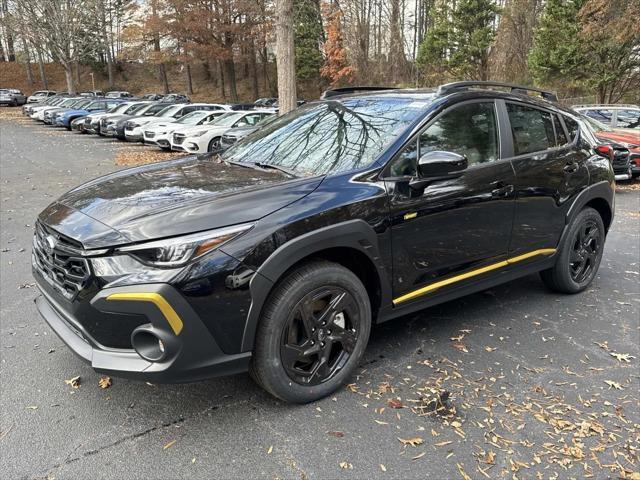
(561, 137)
(628, 118)
(532, 129)
(469, 130)
(406, 164)
(572, 127)
(602, 115)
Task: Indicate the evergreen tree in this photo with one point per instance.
(473, 27)
(308, 37)
(457, 45)
(558, 53)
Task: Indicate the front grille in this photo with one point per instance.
(129, 125)
(53, 257)
(178, 138)
(149, 134)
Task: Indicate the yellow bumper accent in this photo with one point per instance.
(175, 322)
(435, 286)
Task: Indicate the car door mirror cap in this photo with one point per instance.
(438, 165)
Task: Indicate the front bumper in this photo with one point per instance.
(191, 353)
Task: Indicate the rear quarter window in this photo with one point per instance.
(532, 129)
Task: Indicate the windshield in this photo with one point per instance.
(169, 111)
(595, 125)
(192, 118)
(226, 120)
(118, 108)
(329, 137)
(153, 109)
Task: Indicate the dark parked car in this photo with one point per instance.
(175, 98)
(278, 255)
(230, 137)
(265, 102)
(12, 97)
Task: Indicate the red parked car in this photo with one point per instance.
(629, 139)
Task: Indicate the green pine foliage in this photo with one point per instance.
(559, 54)
(457, 44)
(308, 38)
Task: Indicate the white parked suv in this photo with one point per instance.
(160, 133)
(206, 138)
(134, 128)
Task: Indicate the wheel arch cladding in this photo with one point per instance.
(352, 244)
(603, 208)
(599, 196)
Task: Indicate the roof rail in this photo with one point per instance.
(519, 89)
(334, 92)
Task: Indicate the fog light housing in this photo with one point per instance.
(148, 344)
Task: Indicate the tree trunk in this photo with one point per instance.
(189, 81)
(230, 77)
(78, 83)
(27, 62)
(68, 73)
(285, 57)
(11, 54)
(43, 74)
(221, 75)
(162, 74)
(2, 57)
(106, 43)
(253, 69)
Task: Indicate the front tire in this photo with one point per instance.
(580, 254)
(214, 144)
(313, 332)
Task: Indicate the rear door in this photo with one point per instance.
(456, 230)
(550, 171)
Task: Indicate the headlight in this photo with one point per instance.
(198, 134)
(178, 251)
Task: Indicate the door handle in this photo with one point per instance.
(571, 167)
(502, 190)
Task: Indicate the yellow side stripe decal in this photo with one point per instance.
(175, 322)
(472, 273)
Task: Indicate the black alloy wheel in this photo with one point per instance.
(320, 335)
(312, 333)
(579, 254)
(584, 255)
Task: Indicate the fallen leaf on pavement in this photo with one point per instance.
(346, 466)
(394, 403)
(74, 382)
(383, 468)
(169, 445)
(411, 441)
(336, 434)
(462, 472)
(105, 382)
(622, 357)
(419, 456)
(613, 384)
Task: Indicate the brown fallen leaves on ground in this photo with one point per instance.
(143, 156)
(105, 382)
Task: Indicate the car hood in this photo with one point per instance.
(74, 112)
(171, 198)
(632, 137)
(162, 125)
(240, 132)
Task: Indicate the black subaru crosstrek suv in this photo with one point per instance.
(279, 254)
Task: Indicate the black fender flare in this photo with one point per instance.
(598, 191)
(356, 234)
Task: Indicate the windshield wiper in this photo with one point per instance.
(268, 166)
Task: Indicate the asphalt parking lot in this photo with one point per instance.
(538, 385)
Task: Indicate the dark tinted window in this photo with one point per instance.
(628, 119)
(561, 137)
(468, 130)
(532, 129)
(572, 127)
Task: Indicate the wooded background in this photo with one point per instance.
(226, 49)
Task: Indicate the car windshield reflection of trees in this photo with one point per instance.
(328, 137)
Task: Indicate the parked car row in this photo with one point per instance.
(171, 123)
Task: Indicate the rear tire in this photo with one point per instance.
(312, 333)
(580, 254)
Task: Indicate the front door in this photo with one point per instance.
(456, 230)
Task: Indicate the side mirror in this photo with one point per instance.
(605, 151)
(438, 165)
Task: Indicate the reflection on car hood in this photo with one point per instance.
(631, 137)
(175, 197)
